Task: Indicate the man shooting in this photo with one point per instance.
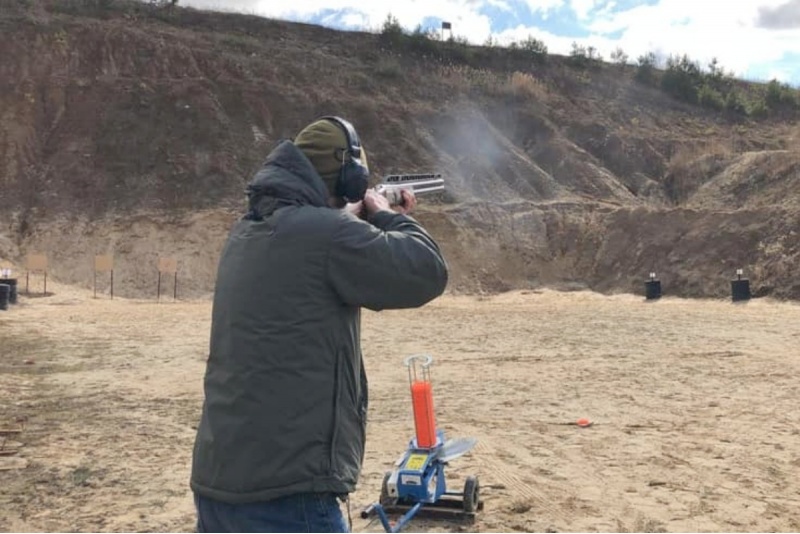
(283, 425)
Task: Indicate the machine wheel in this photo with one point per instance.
(471, 494)
(386, 499)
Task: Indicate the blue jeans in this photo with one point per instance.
(304, 512)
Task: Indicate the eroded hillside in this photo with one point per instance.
(132, 132)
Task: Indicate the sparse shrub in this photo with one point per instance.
(709, 97)
(773, 97)
(459, 49)
(646, 69)
(583, 56)
(422, 41)
(758, 109)
(714, 70)
(578, 55)
(734, 103)
(391, 31)
(458, 39)
(717, 78)
(80, 476)
(779, 96)
(682, 78)
(535, 47)
(163, 9)
(391, 26)
(619, 56)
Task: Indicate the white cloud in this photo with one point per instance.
(582, 8)
(543, 7)
(782, 75)
(701, 29)
(354, 20)
(463, 14)
(240, 6)
(499, 4)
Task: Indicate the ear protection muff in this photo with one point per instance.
(354, 177)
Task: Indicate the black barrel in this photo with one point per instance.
(652, 289)
(12, 294)
(740, 290)
(5, 290)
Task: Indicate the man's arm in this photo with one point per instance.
(391, 263)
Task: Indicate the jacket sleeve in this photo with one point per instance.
(390, 264)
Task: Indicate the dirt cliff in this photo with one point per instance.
(131, 131)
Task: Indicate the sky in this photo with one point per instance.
(753, 39)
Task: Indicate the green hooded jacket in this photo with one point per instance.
(285, 390)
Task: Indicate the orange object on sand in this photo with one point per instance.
(424, 419)
(583, 422)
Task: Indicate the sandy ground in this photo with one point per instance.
(694, 405)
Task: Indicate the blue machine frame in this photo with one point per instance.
(419, 475)
(418, 480)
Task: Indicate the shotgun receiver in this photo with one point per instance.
(419, 184)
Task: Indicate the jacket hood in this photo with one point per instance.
(287, 178)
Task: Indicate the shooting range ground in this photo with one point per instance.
(693, 405)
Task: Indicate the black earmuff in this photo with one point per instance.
(354, 179)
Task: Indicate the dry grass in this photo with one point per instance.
(692, 165)
(526, 85)
(465, 78)
(793, 139)
(685, 155)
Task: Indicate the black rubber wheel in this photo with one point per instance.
(471, 494)
(386, 499)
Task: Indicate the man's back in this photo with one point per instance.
(286, 399)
